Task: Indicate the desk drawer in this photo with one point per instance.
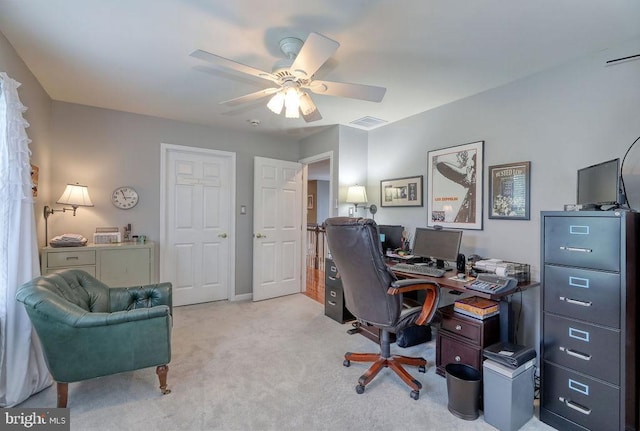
(588, 242)
(71, 258)
(449, 350)
(583, 294)
(586, 348)
(462, 326)
(580, 399)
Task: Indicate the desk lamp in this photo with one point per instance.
(358, 195)
(75, 195)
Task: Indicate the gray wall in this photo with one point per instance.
(563, 119)
(105, 149)
(38, 116)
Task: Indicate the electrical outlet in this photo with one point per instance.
(350, 211)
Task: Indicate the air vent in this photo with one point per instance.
(368, 122)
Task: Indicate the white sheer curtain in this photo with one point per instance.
(22, 367)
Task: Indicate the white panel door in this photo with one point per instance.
(277, 228)
(198, 224)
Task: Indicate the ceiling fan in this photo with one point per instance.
(294, 75)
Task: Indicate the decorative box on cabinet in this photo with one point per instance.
(334, 306)
(461, 339)
(122, 264)
(589, 320)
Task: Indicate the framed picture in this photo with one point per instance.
(509, 191)
(454, 186)
(309, 202)
(401, 192)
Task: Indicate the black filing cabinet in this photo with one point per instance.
(589, 320)
(334, 306)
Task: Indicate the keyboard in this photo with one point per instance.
(430, 271)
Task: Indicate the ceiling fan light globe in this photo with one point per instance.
(292, 112)
(276, 103)
(292, 103)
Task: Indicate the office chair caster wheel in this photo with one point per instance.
(415, 394)
(360, 389)
(422, 369)
(346, 363)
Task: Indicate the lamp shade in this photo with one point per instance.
(356, 195)
(75, 195)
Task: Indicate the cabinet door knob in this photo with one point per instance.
(458, 327)
(222, 235)
(457, 358)
(259, 235)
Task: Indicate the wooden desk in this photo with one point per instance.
(506, 313)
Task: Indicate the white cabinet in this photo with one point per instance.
(117, 265)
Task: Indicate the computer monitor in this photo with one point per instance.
(390, 236)
(439, 244)
(599, 184)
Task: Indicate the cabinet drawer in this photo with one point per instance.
(586, 348)
(462, 328)
(589, 242)
(583, 294)
(89, 269)
(580, 399)
(334, 305)
(330, 269)
(71, 258)
(449, 350)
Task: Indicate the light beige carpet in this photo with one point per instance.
(269, 365)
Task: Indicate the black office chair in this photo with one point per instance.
(374, 295)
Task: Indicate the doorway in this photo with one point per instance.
(318, 209)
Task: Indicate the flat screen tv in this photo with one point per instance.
(599, 184)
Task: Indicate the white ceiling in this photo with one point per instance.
(133, 55)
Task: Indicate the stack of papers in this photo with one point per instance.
(68, 240)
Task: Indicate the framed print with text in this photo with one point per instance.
(401, 192)
(454, 186)
(509, 187)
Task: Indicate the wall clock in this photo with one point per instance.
(124, 197)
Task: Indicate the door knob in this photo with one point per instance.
(259, 235)
(222, 235)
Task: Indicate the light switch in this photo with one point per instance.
(243, 209)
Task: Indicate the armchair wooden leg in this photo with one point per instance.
(63, 394)
(161, 371)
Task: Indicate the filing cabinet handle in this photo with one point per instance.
(576, 301)
(580, 249)
(72, 258)
(575, 354)
(458, 327)
(332, 278)
(332, 303)
(575, 406)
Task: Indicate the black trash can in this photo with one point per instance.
(463, 389)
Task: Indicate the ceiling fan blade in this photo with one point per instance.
(343, 89)
(233, 65)
(316, 50)
(314, 116)
(250, 97)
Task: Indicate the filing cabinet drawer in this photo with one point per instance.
(580, 399)
(334, 305)
(590, 242)
(583, 294)
(449, 350)
(582, 347)
(71, 258)
(330, 269)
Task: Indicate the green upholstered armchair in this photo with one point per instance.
(88, 329)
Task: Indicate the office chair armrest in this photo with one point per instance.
(431, 300)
